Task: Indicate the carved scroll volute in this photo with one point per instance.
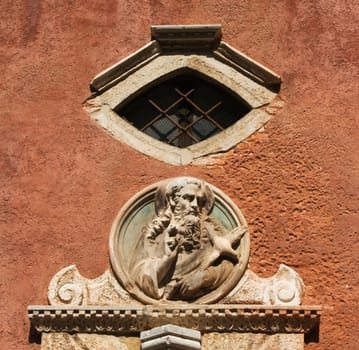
(284, 288)
(67, 287)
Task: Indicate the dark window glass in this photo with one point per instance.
(184, 110)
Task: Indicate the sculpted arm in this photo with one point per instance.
(151, 271)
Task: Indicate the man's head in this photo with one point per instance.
(184, 196)
(188, 200)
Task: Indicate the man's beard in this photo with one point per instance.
(188, 231)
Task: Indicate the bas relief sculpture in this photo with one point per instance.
(178, 242)
(179, 253)
(183, 253)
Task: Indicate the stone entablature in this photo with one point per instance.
(204, 318)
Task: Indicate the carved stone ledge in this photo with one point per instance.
(204, 318)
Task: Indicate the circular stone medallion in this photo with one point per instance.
(179, 240)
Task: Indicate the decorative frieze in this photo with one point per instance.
(204, 318)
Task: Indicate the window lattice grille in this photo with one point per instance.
(183, 111)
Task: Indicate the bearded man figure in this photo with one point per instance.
(183, 253)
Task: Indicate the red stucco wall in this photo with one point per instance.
(63, 179)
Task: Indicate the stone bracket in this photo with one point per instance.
(204, 318)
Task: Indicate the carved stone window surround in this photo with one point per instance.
(175, 50)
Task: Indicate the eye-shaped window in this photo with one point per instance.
(184, 96)
(183, 110)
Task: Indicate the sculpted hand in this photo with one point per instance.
(170, 250)
(171, 243)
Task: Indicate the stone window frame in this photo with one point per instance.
(176, 50)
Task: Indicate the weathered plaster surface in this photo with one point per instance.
(63, 179)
